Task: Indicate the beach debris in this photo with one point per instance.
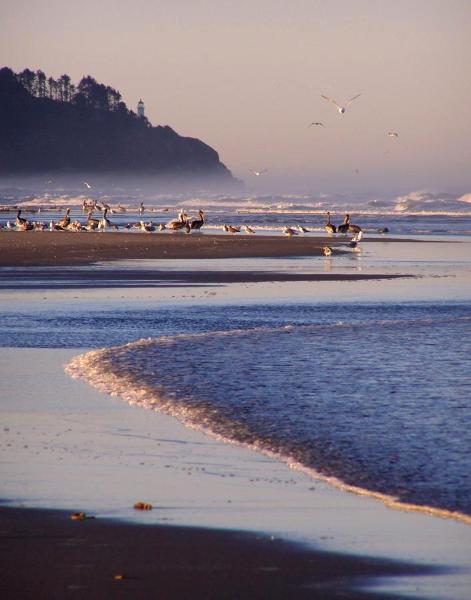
(327, 250)
(341, 109)
(143, 506)
(80, 516)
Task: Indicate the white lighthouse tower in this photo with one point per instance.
(140, 109)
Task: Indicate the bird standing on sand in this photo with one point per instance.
(327, 250)
(231, 228)
(341, 109)
(330, 227)
(343, 228)
(91, 222)
(65, 222)
(177, 224)
(302, 229)
(354, 228)
(198, 223)
(22, 224)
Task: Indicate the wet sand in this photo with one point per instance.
(46, 555)
(32, 248)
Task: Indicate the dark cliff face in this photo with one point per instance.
(44, 134)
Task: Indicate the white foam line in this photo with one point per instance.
(91, 367)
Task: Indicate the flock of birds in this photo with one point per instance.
(183, 222)
(341, 110)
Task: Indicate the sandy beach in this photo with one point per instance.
(226, 522)
(75, 248)
(341, 543)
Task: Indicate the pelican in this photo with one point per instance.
(289, 231)
(329, 227)
(91, 222)
(392, 134)
(354, 228)
(231, 229)
(198, 223)
(316, 123)
(20, 222)
(341, 109)
(65, 222)
(105, 223)
(179, 223)
(248, 229)
(327, 250)
(343, 228)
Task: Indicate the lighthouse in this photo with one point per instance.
(140, 109)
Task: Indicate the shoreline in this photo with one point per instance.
(62, 248)
(48, 461)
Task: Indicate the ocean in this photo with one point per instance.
(366, 386)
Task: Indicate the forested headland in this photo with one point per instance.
(52, 125)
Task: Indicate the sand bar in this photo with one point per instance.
(32, 248)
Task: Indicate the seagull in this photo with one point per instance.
(317, 123)
(341, 109)
(87, 185)
(258, 173)
(302, 229)
(392, 134)
(231, 229)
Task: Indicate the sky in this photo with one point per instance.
(246, 77)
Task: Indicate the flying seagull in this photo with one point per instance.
(318, 123)
(258, 173)
(341, 109)
(87, 185)
(393, 134)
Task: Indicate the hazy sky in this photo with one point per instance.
(246, 78)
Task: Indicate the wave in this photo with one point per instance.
(99, 368)
(420, 202)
